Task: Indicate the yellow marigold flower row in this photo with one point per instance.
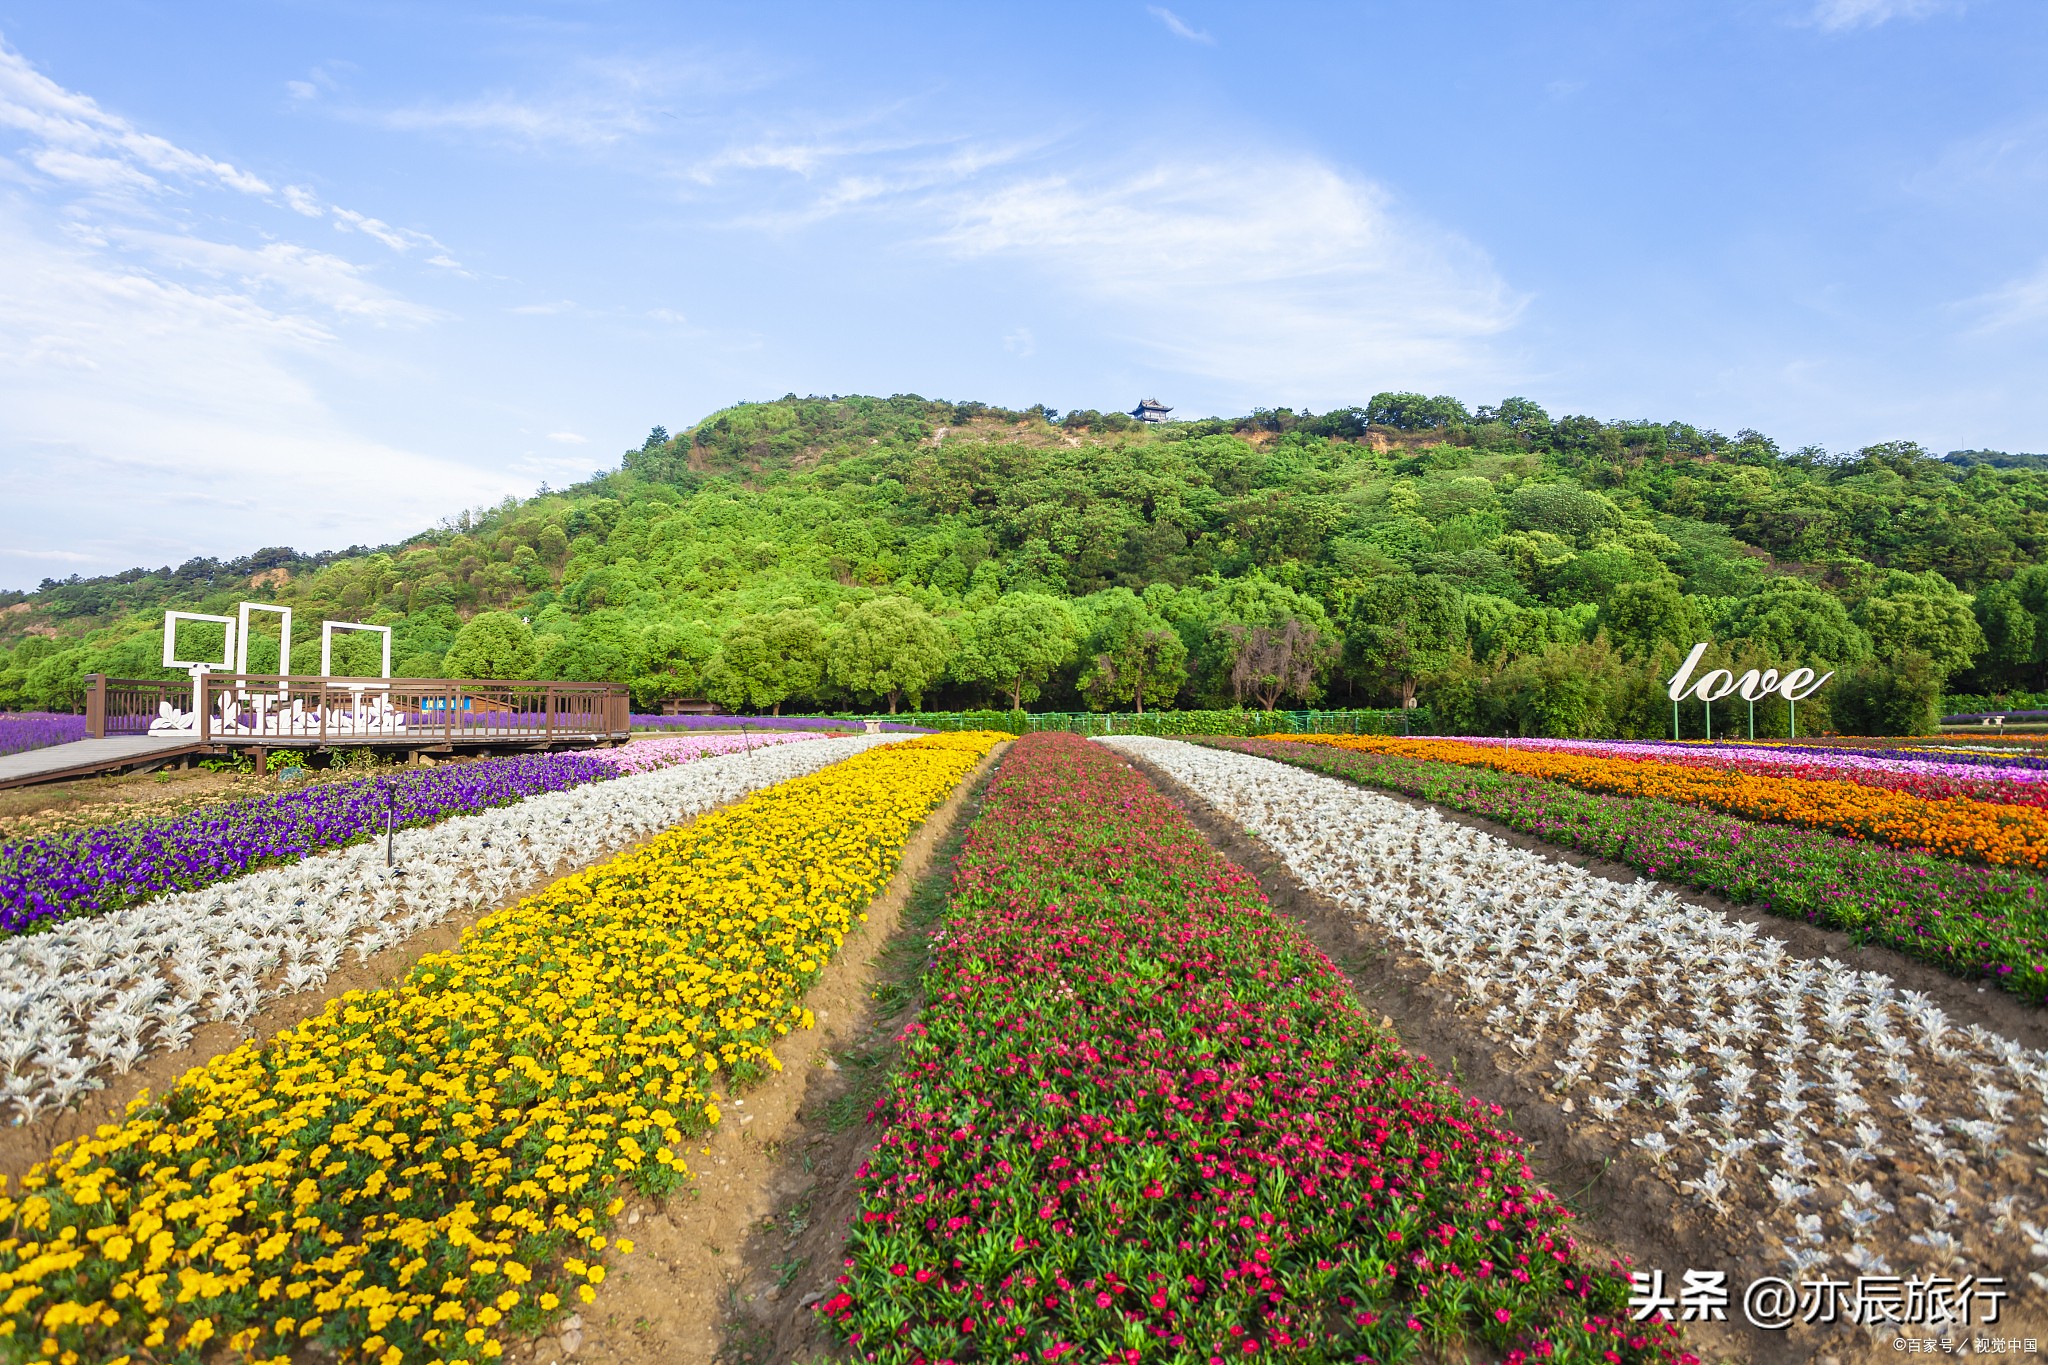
(399, 1176)
(1982, 831)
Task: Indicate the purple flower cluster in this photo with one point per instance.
(1965, 918)
(95, 870)
(24, 730)
(690, 724)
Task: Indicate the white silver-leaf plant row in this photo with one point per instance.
(91, 997)
(1774, 1092)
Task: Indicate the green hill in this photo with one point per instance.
(1523, 572)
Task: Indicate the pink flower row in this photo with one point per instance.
(645, 755)
(1141, 1108)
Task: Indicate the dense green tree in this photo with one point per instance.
(819, 504)
(2009, 628)
(1922, 614)
(1894, 695)
(494, 644)
(890, 647)
(1403, 627)
(1017, 644)
(764, 660)
(1134, 655)
(1640, 616)
(1797, 624)
(1413, 412)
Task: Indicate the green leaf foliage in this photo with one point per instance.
(1448, 548)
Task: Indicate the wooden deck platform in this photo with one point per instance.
(90, 758)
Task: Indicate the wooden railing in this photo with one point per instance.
(273, 709)
(128, 706)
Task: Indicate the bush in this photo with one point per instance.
(1885, 698)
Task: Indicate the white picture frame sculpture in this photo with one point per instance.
(227, 650)
(327, 629)
(170, 720)
(284, 639)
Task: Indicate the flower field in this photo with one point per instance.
(1822, 1120)
(645, 755)
(1960, 825)
(92, 870)
(87, 998)
(1965, 918)
(1142, 1118)
(413, 1173)
(21, 731)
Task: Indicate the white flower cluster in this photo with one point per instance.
(1854, 1119)
(92, 996)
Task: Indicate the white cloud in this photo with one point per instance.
(1178, 26)
(56, 556)
(302, 90)
(568, 438)
(302, 275)
(141, 415)
(2019, 303)
(545, 309)
(1837, 15)
(66, 121)
(164, 355)
(1021, 343)
(596, 103)
(1315, 282)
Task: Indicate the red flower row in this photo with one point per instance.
(1142, 1118)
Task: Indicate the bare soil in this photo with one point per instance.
(729, 1267)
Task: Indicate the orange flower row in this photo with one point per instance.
(1981, 830)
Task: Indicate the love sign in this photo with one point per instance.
(1754, 685)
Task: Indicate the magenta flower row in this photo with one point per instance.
(1141, 1117)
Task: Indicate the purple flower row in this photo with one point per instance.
(21, 731)
(95, 870)
(1965, 918)
(694, 723)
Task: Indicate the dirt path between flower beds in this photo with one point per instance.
(1621, 1208)
(22, 1147)
(728, 1267)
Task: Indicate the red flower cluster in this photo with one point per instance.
(1142, 1118)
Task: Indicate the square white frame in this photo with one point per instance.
(227, 653)
(327, 629)
(284, 642)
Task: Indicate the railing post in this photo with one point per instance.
(551, 712)
(96, 705)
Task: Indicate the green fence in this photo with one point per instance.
(1374, 722)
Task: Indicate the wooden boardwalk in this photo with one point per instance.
(84, 757)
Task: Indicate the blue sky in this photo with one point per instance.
(320, 273)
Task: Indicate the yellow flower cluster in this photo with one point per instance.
(400, 1177)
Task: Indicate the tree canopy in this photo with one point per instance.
(1445, 545)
